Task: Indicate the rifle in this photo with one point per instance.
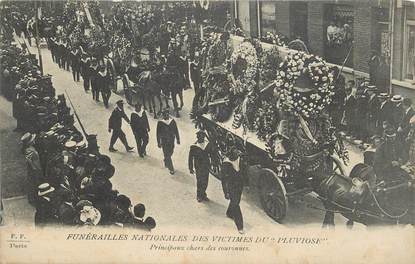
(76, 115)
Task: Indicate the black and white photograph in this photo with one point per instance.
(201, 131)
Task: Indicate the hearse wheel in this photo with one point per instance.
(273, 195)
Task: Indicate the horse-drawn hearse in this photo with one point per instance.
(289, 147)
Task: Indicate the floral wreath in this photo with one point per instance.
(245, 80)
(304, 84)
(274, 39)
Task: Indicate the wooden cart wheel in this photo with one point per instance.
(272, 195)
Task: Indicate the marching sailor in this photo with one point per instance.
(233, 186)
(167, 132)
(199, 162)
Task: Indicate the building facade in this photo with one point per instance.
(370, 27)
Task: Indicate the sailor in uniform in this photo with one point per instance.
(199, 163)
(233, 186)
(167, 132)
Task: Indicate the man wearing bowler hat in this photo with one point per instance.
(114, 125)
(199, 162)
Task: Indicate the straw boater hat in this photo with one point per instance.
(383, 95)
(397, 98)
(27, 138)
(390, 132)
(90, 215)
(372, 88)
(44, 189)
(70, 144)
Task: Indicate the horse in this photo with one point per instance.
(173, 82)
(150, 89)
(361, 198)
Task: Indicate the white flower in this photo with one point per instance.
(324, 78)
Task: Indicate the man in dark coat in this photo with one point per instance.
(85, 63)
(405, 127)
(102, 83)
(387, 163)
(140, 127)
(34, 168)
(167, 132)
(75, 63)
(397, 111)
(233, 186)
(374, 64)
(45, 207)
(199, 162)
(385, 112)
(348, 119)
(372, 109)
(93, 72)
(196, 75)
(361, 115)
(115, 123)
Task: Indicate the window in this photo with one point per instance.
(339, 23)
(267, 14)
(409, 52)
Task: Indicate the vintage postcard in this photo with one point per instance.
(207, 131)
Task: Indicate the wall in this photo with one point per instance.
(316, 36)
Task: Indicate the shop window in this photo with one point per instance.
(267, 15)
(409, 55)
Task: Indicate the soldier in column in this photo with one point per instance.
(167, 133)
(199, 164)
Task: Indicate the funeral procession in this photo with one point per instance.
(222, 114)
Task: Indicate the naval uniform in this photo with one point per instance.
(199, 159)
(140, 128)
(233, 185)
(167, 132)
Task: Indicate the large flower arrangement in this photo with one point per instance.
(97, 45)
(304, 84)
(269, 64)
(274, 39)
(76, 36)
(244, 68)
(237, 31)
(121, 46)
(266, 119)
